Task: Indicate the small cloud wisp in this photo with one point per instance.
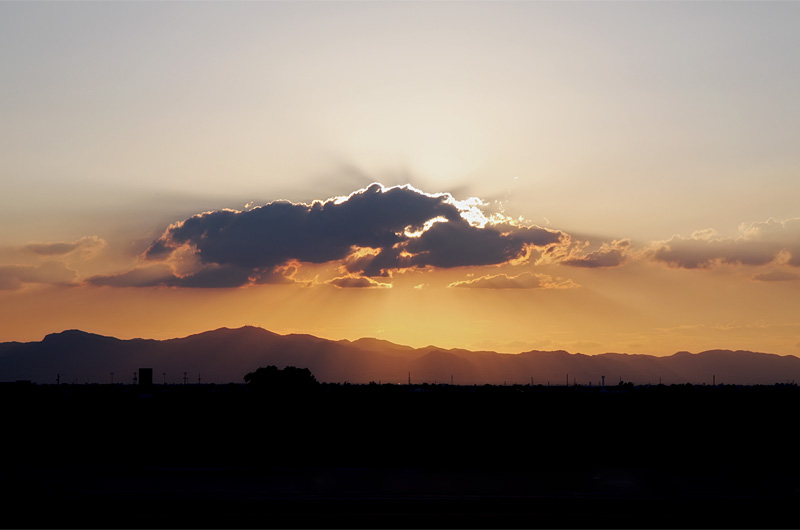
(525, 280)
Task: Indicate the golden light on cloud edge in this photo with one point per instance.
(524, 280)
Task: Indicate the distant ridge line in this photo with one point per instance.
(225, 354)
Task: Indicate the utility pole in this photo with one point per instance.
(58, 379)
(134, 378)
(409, 378)
(185, 379)
(165, 377)
(112, 378)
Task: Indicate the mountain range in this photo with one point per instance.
(226, 355)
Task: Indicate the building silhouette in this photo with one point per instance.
(145, 377)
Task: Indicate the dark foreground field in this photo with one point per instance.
(400, 456)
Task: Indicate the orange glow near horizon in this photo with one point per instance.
(649, 315)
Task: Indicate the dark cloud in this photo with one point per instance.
(372, 232)
(612, 255)
(86, 245)
(776, 276)
(525, 280)
(51, 272)
(358, 282)
(281, 275)
(218, 276)
(322, 232)
(459, 244)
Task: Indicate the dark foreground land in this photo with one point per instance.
(227, 456)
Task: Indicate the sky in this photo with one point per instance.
(587, 176)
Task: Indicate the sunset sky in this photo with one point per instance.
(588, 176)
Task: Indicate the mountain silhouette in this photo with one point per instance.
(225, 355)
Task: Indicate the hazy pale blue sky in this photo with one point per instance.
(679, 115)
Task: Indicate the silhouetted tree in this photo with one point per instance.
(272, 378)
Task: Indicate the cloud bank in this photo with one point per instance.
(776, 276)
(162, 275)
(51, 272)
(757, 244)
(373, 232)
